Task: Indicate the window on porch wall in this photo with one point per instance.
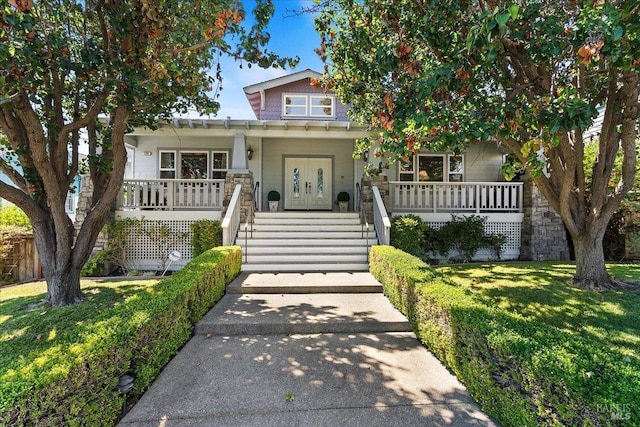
(433, 168)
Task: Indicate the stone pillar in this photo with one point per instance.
(367, 183)
(543, 233)
(82, 207)
(231, 180)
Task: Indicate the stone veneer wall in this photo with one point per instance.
(367, 183)
(83, 206)
(231, 180)
(543, 233)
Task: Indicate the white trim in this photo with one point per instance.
(293, 96)
(281, 81)
(174, 169)
(332, 106)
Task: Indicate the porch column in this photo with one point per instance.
(366, 184)
(239, 162)
(239, 174)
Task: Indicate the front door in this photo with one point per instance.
(307, 183)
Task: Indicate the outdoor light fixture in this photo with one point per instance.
(249, 153)
(124, 386)
(365, 155)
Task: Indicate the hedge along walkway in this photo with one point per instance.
(272, 355)
(66, 375)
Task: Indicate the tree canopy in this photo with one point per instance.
(74, 70)
(531, 76)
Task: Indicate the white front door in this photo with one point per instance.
(308, 183)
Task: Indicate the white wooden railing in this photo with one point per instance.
(231, 220)
(170, 194)
(478, 197)
(381, 221)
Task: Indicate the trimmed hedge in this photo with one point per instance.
(73, 383)
(522, 372)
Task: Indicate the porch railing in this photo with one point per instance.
(381, 221)
(477, 197)
(170, 194)
(231, 222)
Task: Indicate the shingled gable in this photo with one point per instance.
(265, 99)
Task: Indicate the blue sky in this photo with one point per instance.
(290, 36)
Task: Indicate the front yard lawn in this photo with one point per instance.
(539, 291)
(28, 332)
(60, 366)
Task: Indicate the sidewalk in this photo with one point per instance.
(269, 355)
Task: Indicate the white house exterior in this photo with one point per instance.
(301, 145)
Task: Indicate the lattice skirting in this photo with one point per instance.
(144, 253)
(510, 249)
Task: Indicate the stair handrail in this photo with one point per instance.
(231, 221)
(381, 222)
(248, 225)
(364, 224)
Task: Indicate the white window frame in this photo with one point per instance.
(174, 169)
(211, 156)
(412, 169)
(305, 105)
(322, 97)
(207, 168)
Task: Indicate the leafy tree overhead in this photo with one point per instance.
(92, 68)
(528, 75)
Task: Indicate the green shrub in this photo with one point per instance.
(205, 234)
(14, 216)
(522, 372)
(72, 383)
(464, 234)
(406, 234)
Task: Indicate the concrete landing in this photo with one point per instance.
(302, 314)
(303, 283)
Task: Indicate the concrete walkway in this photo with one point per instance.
(270, 354)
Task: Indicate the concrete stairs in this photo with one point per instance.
(302, 303)
(305, 242)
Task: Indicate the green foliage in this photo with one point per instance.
(115, 253)
(59, 367)
(13, 215)
(273, 196)
(343, 196)
(522, 371)
(527, 75)
(464, 234)
(407, 235)
(77, 72)
(205, 234)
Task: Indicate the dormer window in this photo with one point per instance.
(316, 106)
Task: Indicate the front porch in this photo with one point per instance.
(176, 203)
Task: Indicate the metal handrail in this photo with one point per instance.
(249, 222)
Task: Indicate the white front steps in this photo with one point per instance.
(306, 241)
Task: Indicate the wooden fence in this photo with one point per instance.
(22, 263)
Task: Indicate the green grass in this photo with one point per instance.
(539, 291)
(24, 332)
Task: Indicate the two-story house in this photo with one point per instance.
(301, 145)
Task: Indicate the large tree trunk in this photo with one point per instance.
(63, 287)
(591, 271)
